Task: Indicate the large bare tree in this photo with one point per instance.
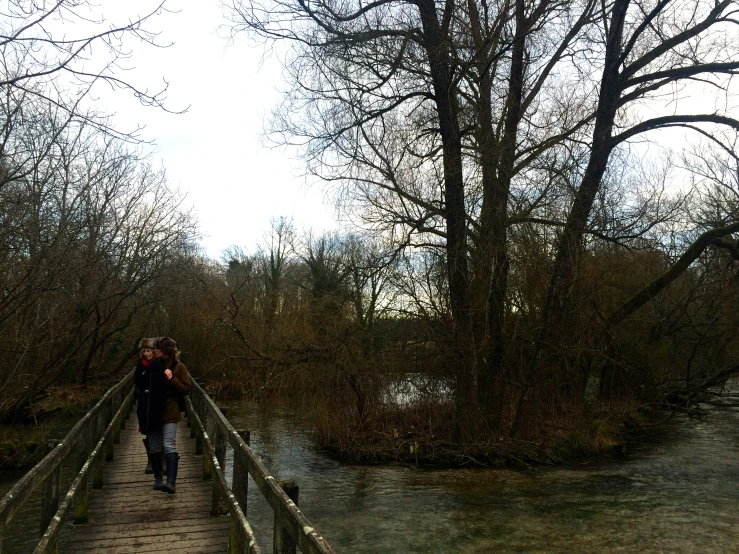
(447, 123)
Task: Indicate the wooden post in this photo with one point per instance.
(130, 401)
(219, 449)
(123, 403)
(116, 431)
(115, 404)
(84, 444)
(235, 544)
(200, 435)
(219, 446)
(107, 412)
(50, 493)
(210, 428)
(98, 465)
(207, 464)
(217, 505)
(198, 441)
(108, 449)
(240, 485)
(195, 397)
(81, 500)
(282, 542)
(202, 411)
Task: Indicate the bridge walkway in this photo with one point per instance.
(127, 516)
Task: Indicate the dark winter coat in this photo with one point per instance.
(177, 387)
(138, 376)
(152, 385)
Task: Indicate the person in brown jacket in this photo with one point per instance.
(178, 386)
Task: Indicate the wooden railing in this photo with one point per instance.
(212, 432)
(85, 448)
(89, 445)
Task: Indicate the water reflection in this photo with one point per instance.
(678, 495)
(413, 387)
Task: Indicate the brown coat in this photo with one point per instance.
(180, 383)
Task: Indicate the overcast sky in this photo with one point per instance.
(214, 152)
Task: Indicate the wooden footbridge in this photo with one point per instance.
(95, 497)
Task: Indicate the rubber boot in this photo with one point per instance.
(172, 462)
(148, 469)
(156, 464)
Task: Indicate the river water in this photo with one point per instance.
(678, 494)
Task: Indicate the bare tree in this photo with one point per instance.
(91, 228)
(58, 51)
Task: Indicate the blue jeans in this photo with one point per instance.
(166, 437)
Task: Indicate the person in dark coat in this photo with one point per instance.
(177, 387)
(146, 355)
(151, 385)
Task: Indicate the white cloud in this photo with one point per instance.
(214, 152)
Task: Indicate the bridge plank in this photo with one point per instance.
(127, 516)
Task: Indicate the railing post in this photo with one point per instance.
(202, 412)
(283, 543)
(217, 505)
(240, 486)
(115, 404)
(100, 425)
(81, 500)
(84, 444)
(98, 462)
(219, 449)
(108, 448)
(127, 389)
(235, 543)
(124, 412)
(207, 463)
(219, 446)
(50, 493)
(198, 441)
(98, 466)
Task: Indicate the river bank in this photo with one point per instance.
(412, 421)
(425, 437)
(22, 444)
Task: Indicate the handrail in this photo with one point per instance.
(108, 417)
(292, 528)
(78, 491)
(242, 537)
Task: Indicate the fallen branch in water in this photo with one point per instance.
(683, 397)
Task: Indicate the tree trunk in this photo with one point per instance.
(559, 297)
(445, 96)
